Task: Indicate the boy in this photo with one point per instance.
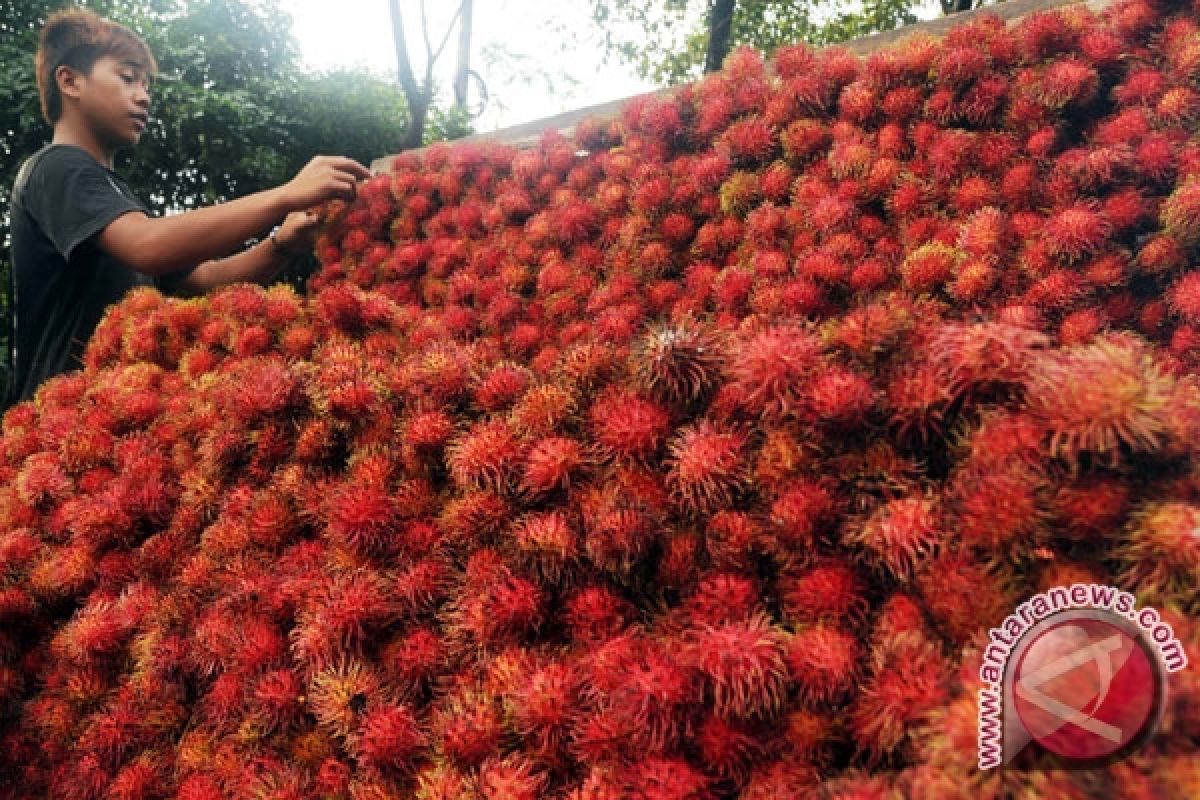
(81, 239)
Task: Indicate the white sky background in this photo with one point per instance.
(538, 57)
(510, 39)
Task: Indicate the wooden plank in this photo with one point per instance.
(526, 134)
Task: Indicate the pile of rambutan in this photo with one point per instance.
(688, 456)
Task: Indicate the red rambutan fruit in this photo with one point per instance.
(706, 468)
(770, 367)
(485, 457)
(1184, 297)
(389, 738)
(362, 517)
(799, 513)
(899, 535)
(1076, 232)
(823, 661)
(929, 266)
(743, 664)
(825, 591)
(593, 614)
(627, 425)
(898, 696)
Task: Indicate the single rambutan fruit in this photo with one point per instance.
(340, 696)
(769, 369)
(389, 738)
(501, 386)
(1105, 398)
(468, 726)
(1076, 232)
(1184, 297)
(1180, 212)
(362, 517)
(800, 512)
(823, 661)
(929, 266)
(1080, 327)
(706, 468)
(750, 140)
(595, 613)
(899, 535)
(1160, 554)
(626, 425)
(485, 457)
(743, 664)
(739, 193)
(830, 590)
(840, 395)
(901, 693)
(679, 363)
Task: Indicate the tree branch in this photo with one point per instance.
(720, 27)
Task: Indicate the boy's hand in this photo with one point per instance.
(323, 178)
(298, 232)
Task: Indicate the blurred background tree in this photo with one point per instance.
(234, 110)
(674, 41)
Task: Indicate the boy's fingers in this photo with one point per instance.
(353, 167)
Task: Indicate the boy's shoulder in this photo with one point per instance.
(54, 159)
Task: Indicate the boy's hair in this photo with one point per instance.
(78, 38)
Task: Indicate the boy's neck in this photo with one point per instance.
(68, 131)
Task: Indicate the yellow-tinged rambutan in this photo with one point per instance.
(485, 457)
(899, 695)
(1160, 553)
(1106, 398)
(341, 695)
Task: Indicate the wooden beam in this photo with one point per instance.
(527, 133)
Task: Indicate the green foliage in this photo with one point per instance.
(665, 40)
(233, 110)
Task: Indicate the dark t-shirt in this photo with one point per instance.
(62, 198)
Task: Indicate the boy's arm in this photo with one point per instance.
(258, 264)
(160, 246)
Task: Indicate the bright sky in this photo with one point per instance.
(510, 38)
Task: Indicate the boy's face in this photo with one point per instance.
(115, 99)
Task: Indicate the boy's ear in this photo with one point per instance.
(69, 81)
